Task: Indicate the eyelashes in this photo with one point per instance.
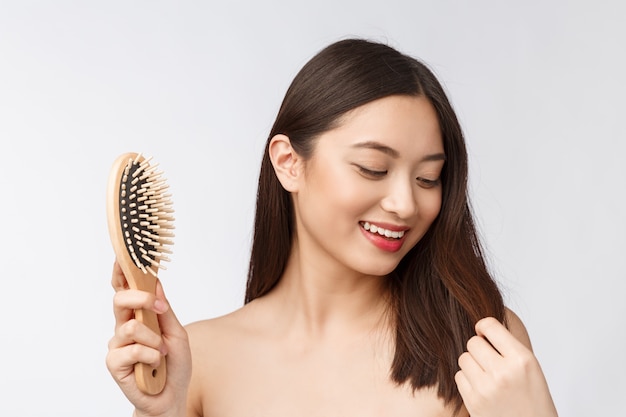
(427, 183)
(378, 175)
(371, 173)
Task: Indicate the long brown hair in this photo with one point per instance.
(442, 286)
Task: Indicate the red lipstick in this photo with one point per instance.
(382, 242)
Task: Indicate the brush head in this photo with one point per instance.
(143, 212)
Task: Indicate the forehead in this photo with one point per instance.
(406, 124)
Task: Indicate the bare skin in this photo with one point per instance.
(320, 343)
(265, 360)
(301, 371)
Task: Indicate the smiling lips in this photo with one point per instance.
(385, 239)
(383, 232)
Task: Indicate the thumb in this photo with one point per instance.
(168, 322)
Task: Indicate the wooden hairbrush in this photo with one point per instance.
(140, 220)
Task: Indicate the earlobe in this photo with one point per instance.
(286, 162)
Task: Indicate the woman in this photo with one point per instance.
(367, 289)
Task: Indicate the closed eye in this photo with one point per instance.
(371, 173)
(428, 183)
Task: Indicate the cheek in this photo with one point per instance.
(429, 205)
(337, 189)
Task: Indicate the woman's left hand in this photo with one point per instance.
(500, 377)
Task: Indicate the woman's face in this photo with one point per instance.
(372, 186)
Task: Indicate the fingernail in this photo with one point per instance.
(163, 349)
(160, 306)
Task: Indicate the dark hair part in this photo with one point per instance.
(442, 287)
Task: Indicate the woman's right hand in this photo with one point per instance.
(133, 342)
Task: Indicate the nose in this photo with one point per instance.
(400, 199)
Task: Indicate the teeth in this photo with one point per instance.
(383, 232)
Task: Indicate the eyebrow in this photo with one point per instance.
(394, 153)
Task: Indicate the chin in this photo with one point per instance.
(378, 270)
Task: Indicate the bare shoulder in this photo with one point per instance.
(517, 328)
(216, 333)
(213, 343)
(202, 329)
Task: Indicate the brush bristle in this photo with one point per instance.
(146, 215)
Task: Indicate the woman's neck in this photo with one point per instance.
(321, 299)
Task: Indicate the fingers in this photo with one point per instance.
(133, 341)
(470, 367)
(133, 332)
(483, 353)
(125, 302)
(498, 335)
(499, 376)
(121, 361)
(464, 386)
(482, 357)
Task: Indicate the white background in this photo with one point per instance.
(538, 85)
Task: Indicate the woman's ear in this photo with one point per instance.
(287, 163)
